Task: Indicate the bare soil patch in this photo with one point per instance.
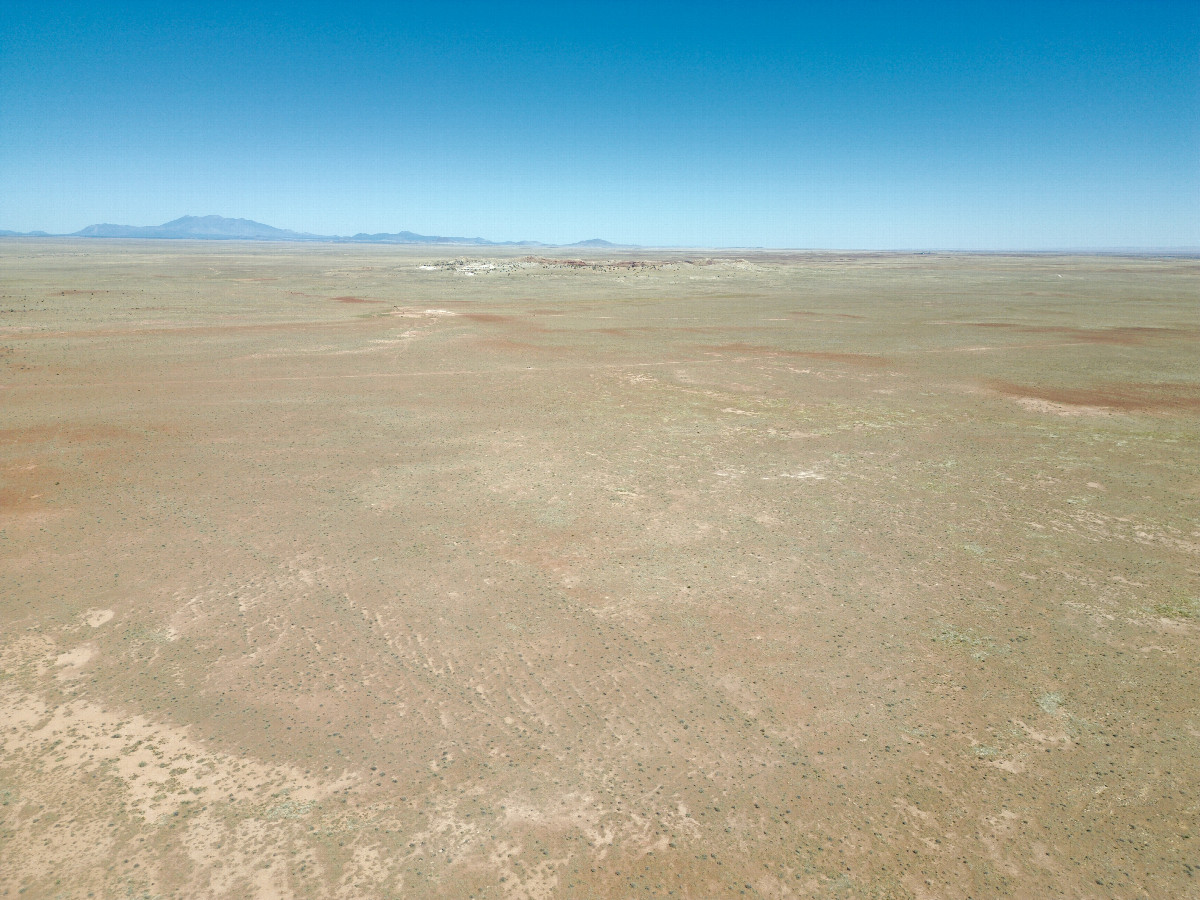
(859, 359)
(488, 318)
(1124, 397)
(1128, 336)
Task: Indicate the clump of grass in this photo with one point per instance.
(1178, 608)
(952, 635)
(1050, 703)
(289, 809)
(143, 634)
(981, 646)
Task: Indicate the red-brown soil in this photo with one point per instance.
(1125, 397)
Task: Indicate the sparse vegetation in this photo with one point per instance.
(326, 571)
(1050, 703)
(1182, 607)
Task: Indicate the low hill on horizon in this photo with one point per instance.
(220, 228)
(200, 228)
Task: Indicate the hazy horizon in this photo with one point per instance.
(872, 126)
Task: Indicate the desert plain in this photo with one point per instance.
(343, 571)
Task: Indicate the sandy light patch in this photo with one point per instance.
(73, 660)
(1035, 404)
(158, 765)
(98, 617)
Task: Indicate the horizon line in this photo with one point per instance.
(214, 227)
(1179, 250)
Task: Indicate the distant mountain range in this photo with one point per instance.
(219, 228)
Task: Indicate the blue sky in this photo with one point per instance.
(859, 125)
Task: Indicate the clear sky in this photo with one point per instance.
(842, 125)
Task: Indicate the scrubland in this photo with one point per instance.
(345, 571)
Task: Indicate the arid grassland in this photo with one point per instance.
(346, 571)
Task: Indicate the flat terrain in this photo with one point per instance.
(356, 572)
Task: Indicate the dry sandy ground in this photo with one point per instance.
(351, 572)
